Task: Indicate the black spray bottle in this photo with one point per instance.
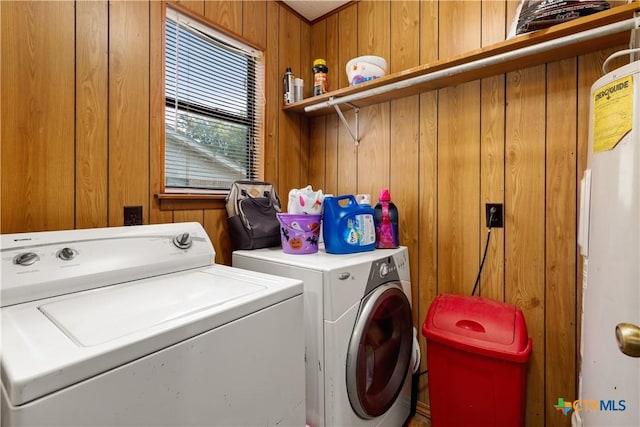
(288, 86)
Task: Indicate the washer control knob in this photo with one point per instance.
(26, 258)
(183, 241)
(66, 254)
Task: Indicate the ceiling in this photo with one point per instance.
(312, 10)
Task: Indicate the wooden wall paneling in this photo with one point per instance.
(405, 35)
(332, 151)
(192, 215)
(254, 21)
(317, 157)
(458, 188)
(331, 171)
(347, 46)
(91, 115)
(128, 108)
(215, 224)
(560, 264)
(317, 125)
(405, 128)
(274, 94)
(226, 13)
(289, 144)
(458, 156)
(305, 149)
(404, 134)
(196, 6)
(156, 112)
(374, 151)
(290, 43)
(306, 55)
(492, 178)
(427, 280)
(494, 22)
(319, 46)
(331, 133)
(37, 116)
(305, 153)
(524, 212)
(337, 73)
(492, 154)
(460, 27)
(346, 158)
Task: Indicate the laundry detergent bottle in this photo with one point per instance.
(348, 227)
(386, 222)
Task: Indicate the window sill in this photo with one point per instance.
(190, 201)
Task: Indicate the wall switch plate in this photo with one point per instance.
(497, 217)
(133, 215)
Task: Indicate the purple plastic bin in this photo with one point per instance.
(299, 233)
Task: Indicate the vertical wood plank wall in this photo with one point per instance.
(82, 103)
(517, 139)
(82, 108)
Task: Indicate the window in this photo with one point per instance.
(214, 106)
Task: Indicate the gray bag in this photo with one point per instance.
(252, 207)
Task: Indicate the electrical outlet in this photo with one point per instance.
(495, 213)
(133, 215)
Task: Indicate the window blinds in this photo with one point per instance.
(214, 106)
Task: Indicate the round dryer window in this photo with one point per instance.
(379, 350)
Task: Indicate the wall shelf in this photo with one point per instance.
(604, 29)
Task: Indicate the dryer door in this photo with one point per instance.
(379, 350)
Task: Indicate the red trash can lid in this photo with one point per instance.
(478, 325)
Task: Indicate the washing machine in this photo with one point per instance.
(138, 326)
(359, 333)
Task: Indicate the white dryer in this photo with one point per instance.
(138, 326)
(359, 332)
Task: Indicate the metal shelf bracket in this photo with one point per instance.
(356, 135)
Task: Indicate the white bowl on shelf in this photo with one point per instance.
(365, 68)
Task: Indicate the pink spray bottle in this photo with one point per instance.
(386, 222)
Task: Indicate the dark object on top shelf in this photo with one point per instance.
(534, 15)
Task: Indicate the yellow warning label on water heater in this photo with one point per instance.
(612, 114)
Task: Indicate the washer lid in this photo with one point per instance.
(53, 343)
(92, 318)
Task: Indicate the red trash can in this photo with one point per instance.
(477, 355)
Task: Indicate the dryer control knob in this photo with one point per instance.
(26, 258)
(183, 241)
(66, 254)
(384, 270)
